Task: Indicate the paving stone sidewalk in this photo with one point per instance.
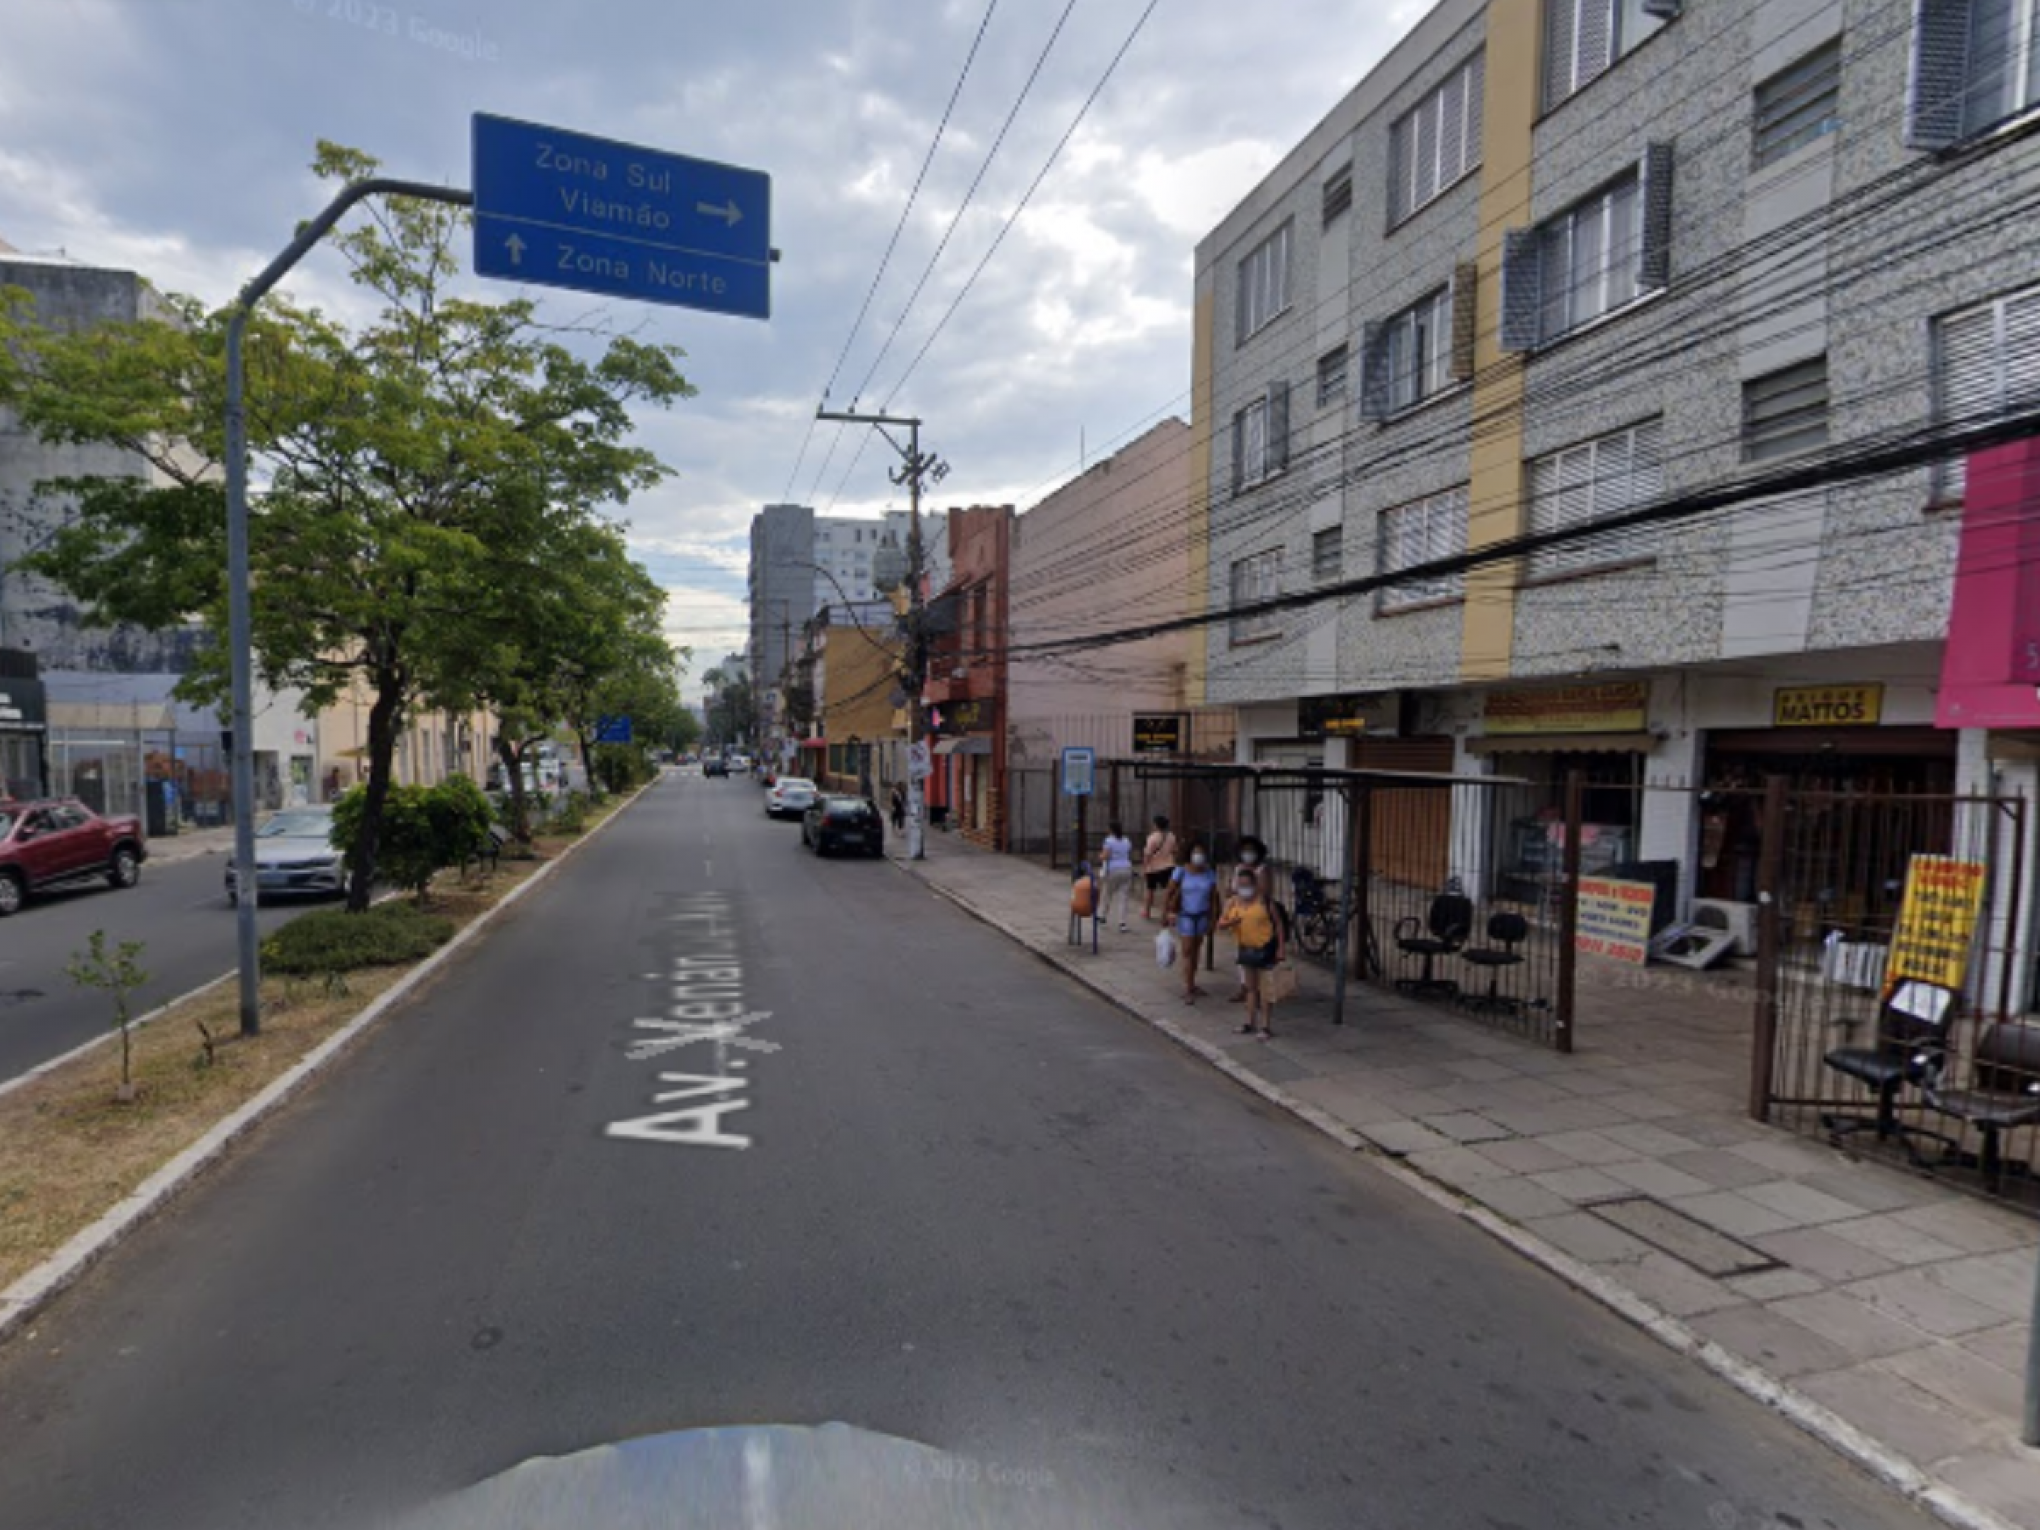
(1898, 1305)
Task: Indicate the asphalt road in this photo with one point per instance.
(976, 1208)
(178, 910)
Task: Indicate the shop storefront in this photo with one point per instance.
(969, 764)
(24, 733)
(1822, 739)
(1543, 736)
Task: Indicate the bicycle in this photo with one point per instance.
(1317, 915)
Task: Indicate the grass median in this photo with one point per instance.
(70, 1152)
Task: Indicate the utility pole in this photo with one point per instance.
(914, 467)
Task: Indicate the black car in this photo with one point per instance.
(840, 823)
(715, 765)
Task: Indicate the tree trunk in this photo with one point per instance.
(382, 754)
(595, 792)
(512, 756)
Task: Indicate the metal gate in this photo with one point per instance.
(1837, 1050)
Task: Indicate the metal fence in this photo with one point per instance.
(1848, 1042)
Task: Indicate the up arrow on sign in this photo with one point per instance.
(516, 248)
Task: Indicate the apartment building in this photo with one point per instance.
(1557, 261)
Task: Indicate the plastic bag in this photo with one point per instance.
(1165, 950)
(1278, 983)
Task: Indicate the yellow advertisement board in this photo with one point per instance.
(1937, 920)
(1614, 919)
(1827, 706)
(1612, 706)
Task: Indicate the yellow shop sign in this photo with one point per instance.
(1827, 706)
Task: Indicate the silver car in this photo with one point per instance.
(294, 856)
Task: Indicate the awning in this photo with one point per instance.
(1563, 743)
(977, 743)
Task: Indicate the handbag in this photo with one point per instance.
(1165, 950)
(1279, 984)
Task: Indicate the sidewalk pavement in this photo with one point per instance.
(1887, 1313)
(169, 849)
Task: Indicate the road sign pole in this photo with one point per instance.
(240, 610)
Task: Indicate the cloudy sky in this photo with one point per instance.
(171, 137)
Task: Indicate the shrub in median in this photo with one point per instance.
(334, 941)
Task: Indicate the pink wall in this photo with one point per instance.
(1991, 665)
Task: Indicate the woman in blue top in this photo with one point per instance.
(1193, 900)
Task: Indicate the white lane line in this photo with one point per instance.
(708, 867)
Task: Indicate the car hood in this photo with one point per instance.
(794, 1477)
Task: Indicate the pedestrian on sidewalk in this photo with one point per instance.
(1258, 935)
(1253, 862)
(1192, 902)
(899, 808)
(1116, 857)
(1158, 862)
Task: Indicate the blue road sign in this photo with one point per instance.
(612, 730)
(562, 209)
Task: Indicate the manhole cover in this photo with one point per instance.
(1671, 1231)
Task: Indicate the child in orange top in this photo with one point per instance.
(1254, 926)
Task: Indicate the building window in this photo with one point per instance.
(1436, 142)
(1255, 579)
(1260, 438)
(1798, 104)
(1418, 534)
(1331, 377)
(1597, 256)
(1264, 283)
(1338, 194)
(1986, 363)
(1586, 484)
(1975, 64)
(1582, 38)
(1786, 412)
(1416, 351)
(1328, 553)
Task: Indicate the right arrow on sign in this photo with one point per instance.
(516, 248)
(729, 212)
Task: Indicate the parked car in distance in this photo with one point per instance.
(715, 765)
(55, 841)
(843, 823)
(789, 797)
(294, 857)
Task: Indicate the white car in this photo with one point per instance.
(789, 797)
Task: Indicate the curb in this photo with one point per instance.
(1890, 1468)
(23, 1300)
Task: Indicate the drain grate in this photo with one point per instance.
(1671, 1231)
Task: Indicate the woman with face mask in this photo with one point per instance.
(1192, 901)
(1257, 932)
(1253, 862)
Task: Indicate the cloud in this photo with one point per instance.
(174, 139)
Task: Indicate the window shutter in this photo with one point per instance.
(1239, 451)
(1374, 393)
(2022, 351)
(1664, 10)
(1521, 288)
(1465, 284)
(1596, 39)
(1654, 272)
(1558, 50)
(1939, 81)
(1278, 426)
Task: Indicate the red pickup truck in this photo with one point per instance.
(56, 840)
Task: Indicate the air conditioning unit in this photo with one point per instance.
(1739, 920)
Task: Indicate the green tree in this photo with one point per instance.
(118, 972)
(400, 460)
